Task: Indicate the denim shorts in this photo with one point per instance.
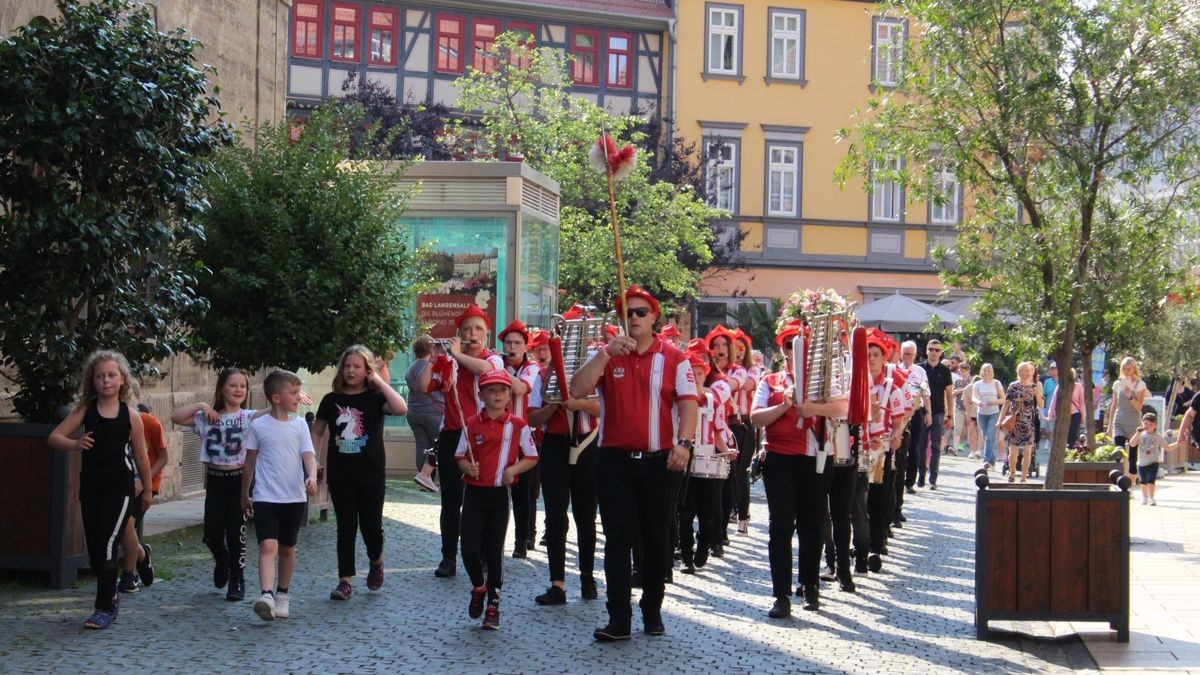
(1148, 474)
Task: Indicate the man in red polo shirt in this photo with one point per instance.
(647, 420)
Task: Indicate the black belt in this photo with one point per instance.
(217, 473)
(640, 454)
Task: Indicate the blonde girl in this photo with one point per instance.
(1129, 393)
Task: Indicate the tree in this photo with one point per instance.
(392, 129)
(1052, 114)
(305, 251)
(106, 129)
(525, 111)
(1172, 346)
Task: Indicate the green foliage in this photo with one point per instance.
(1103, 450)
(527, 112)
(106, 129)
(1073, 126)
(305, 250)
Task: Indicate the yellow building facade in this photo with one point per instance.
(764, 87)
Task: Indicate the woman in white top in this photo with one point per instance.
(1125, 411)
(988, 396)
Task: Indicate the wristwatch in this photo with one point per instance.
(684, 443)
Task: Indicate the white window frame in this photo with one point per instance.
(721, 174)
(888, 58)
(725, 33)
(945, 183)
(788, 175)
(887, 196)
(778, 46)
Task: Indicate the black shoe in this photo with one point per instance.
(530, 544)
(678, 555)
(846, 583)
(701, 557)
(829, 574)
(898, 524)
(718, 550)
(553, 596)
(921, 484)
(812, 598)
(542, 541)
(145, 567)
(883, 550)
(611, 633)
(520, 551)
(220, 572)
(933, 486)
(587, 588)
(874, 562)
(688, 567)
(237, 589)
(902, 518)
(670, 576)
(782, 608)
(652, 624)
(129, 583)
(635, 579)
(890, 533)
(860, 565)
(445, 569)
(909, 489)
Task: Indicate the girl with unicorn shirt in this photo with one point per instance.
(351, 417)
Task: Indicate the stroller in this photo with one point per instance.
(1035, 469)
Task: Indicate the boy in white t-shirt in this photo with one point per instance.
(279, 452)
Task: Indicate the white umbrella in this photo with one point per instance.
(903, 314)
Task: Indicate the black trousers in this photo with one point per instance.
(634, 505)
(451, 492)
(484, 525)
(899, 476)
(918, 435)
(880, 503)
(224, 521)
(565, 485)
(735, 497)
(836, 526)
(358, 508)
(524, 507)
(796, 497)
(105, 510)
(701, 499)
(860, 520)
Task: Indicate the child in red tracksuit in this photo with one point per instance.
(495, 447)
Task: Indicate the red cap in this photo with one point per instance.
(515, 327)
(670, 331)
(880, 339)
(790, 330)
(739, 334)
(495, 376)
(577, 311)
(538, 338)
(719, 331)
(698, 360)
(470, 311)
(699, 345)
(636, 291)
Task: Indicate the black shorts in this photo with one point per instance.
(278, 521)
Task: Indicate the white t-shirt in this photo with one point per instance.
(279, 467)
(988, 394)
(223, 443)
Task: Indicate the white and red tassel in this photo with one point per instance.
(607, 158)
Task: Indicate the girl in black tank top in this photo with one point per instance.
(108, 464)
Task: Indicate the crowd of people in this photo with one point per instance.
(656, 434)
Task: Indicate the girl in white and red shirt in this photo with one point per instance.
(891, 401)
(702, 497)
(494, 448)
(527, 393)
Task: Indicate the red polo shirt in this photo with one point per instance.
(638, 396)
(786, 435)
(496, 444)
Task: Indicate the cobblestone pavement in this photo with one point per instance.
(915, 616)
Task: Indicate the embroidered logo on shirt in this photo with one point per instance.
(618, 372)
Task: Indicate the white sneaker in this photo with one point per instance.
(1153, 503)
(1145, 501)
(264, 607)
(281, 606)
(425, 482)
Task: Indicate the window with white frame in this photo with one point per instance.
(944, 200)
(722, 175)
(887, 196)
(787, 45)
(887, 45)
(783, 172)
(723, 27)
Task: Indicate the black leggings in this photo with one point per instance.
(736, 496)
(880, 503)
(523, 507)
(836, 526)
(701, 500)
(484, 524)
(224, 521)
(563, 485)
(796, 501)
(451, 492)
(104, 510)
(859, 513)
(358, 507)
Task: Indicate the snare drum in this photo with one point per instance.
(706, 463)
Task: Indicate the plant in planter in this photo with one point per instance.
(1094, 465)
(106, 126)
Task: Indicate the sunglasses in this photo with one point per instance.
(934, 350)
(639, 312)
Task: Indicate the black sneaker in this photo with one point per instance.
(220, 572)
(587, 588)
(129, 583)
(520, 551)
(910, 490)
(701, 557)
(874, 562)
(718, 550)
(828, 574)
(237, 589)
(530, 544)
(553, 596)
(782, 608)
(145, 567)
(846, 583)
(491, 618)
(860, 565)
(445, 569)
(902, 518)
(475, 608)
(611, 633)
(812, 598)
(652, 624)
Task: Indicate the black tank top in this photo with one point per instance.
(109, 462)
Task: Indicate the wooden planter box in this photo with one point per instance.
(39, 505)
(1089, 473)
(1052, 555)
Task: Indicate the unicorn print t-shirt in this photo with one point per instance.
(355, 422)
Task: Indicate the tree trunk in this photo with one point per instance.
(1089, 401)
(1062, 417)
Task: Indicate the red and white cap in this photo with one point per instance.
(538, 338)
(473, 310)
(636, 291)
(517, 326)
(670, 331)
(495, 376)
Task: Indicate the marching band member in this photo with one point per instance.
(539, 347)
(702, 495)
(795, 491)
(743, 432)
(670, 332)
(526, 393)
(890, 401)
(647, 423)
(457, 375)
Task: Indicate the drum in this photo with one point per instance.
(706, 463)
